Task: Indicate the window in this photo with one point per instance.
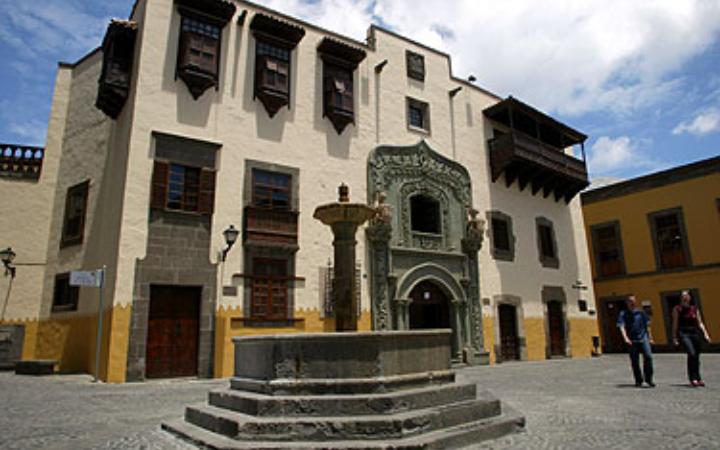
(608, 250)
(502, 239)
(669, 239)
(183, 188)
(271, 189)
(339, 63)
(75, 210)
(269, 289)
(338, 94)
(425, 214)
(178, 187)
(273, 65)
(65, 297)
(547, 245)
(199, 45)
(118, 50)
(274, 42)
(415, 64)
(418, 115)
(198, 58)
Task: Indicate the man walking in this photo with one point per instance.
(634, 325)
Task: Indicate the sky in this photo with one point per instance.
(640, 77)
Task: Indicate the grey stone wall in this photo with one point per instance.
(12, 338)
(177, 254)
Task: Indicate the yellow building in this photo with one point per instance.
(653, 237)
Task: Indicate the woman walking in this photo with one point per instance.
(687, 326)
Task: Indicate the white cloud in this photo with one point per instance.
(608, 155)
(567, 57)
(704, 123)
(598, 182)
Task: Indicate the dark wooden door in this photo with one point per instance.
(173, 330)
(509, 348)
(612, 340)
(556, 324)
(430, 307)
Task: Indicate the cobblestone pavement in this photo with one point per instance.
(569, 404)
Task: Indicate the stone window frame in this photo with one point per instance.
(667, 311)
(594, 229)
(549, 294)
(500, 254)
(652, 216)
(254, 252)
(73, 294)
(415, 65)
(424, 108)
(546, 261)
(82, 192)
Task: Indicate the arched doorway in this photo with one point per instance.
(430, 306)
(509, 341)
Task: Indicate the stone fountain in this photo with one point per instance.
(344, 218)
(348, 390)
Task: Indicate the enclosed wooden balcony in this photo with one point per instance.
(528, 147)
(271, 227)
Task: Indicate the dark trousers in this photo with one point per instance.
(690, 339)
(636, 349)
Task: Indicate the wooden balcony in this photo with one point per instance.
(21, 161)
(528, 148)
(271, 227)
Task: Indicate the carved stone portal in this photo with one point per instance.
(404, 251)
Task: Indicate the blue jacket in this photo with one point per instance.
(635, 323)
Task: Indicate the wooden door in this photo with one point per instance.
(509, 348)
(429, 308)
(173, 331)
(612, 340)
(556, 324)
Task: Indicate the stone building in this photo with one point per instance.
(655, 236)
(195, 115)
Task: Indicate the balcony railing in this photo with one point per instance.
(270, 226)
(21, 161)
(532, 161)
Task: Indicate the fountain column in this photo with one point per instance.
(344, 218)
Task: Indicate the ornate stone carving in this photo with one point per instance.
(473, 232)
(388, 165)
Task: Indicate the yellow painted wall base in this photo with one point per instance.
(581, 333)
(70, 340)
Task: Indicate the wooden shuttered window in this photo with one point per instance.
(158, 197)
(181, 188)
(199, 45)
(206, 198)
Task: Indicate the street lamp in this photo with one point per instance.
(7, 256)
(231, 235)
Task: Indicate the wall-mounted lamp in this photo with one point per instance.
(7, 256)
(231, 235)
(472, 78)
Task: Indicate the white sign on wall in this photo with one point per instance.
(92, 278)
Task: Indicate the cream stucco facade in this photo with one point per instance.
(117, 157)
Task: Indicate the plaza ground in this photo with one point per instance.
(569, 404)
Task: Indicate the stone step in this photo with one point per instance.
(255, 404)
(332, 386)
(370, 427)
(450, 438)
(35, 367)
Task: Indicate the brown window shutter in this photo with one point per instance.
(206, 199)
(158, 196)
(209, 55)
